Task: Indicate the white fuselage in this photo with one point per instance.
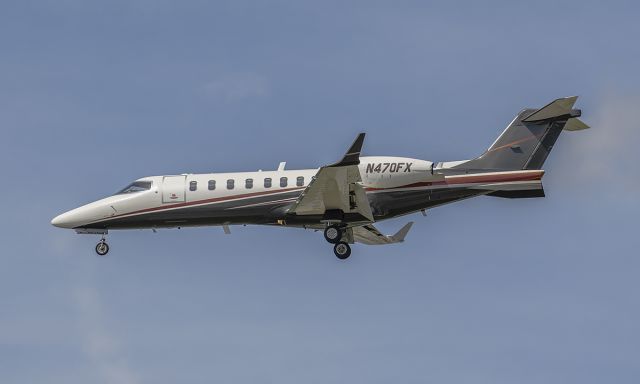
(176, 191)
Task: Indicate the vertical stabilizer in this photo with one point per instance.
(530, 137)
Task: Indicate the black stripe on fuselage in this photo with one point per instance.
(270, 209)
(258, 209)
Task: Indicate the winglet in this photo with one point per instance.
(556, 108)
(352, 157)
(402, 233)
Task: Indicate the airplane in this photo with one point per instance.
(343, 199)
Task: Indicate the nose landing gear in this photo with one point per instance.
(102, 248)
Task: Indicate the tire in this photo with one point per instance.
(333, 234)
(342, 250)
(102, 248)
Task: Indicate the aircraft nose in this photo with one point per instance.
(86, 214)
(74, 217)
(62, 221)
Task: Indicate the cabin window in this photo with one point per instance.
(212, 185)
(136, 186)
(230, 184)
(283, 182)
(193, 185)
(267, 182)
(248, 183)
(300, 181)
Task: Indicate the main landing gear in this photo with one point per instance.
(342, 250)
(102, 248)
(334, 234)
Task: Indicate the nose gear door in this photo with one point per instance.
(173, 189)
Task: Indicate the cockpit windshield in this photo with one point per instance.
(136, 186)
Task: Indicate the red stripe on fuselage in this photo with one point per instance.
(472, 179)
(450, 180)
(206, 201)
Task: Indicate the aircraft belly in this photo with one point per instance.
(388, 204)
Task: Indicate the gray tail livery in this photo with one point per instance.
(527, 141)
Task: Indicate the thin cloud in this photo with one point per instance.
(609, 150)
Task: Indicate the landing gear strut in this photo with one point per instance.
(333, 234)
(102, 248)
(342, 250)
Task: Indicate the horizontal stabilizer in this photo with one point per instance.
(556, 108)
(575, 124)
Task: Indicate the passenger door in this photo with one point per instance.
(173, 189)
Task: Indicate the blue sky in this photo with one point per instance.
(96, 94)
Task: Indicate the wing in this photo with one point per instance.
(335, 191)
(368, 234)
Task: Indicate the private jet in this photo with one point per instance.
(344, 199)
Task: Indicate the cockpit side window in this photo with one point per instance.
(136, 186)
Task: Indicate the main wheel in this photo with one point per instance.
(102, 248)
(342, 250)
(333, 234)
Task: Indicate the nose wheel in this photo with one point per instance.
(102, 248)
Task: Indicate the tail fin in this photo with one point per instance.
(527, 141)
